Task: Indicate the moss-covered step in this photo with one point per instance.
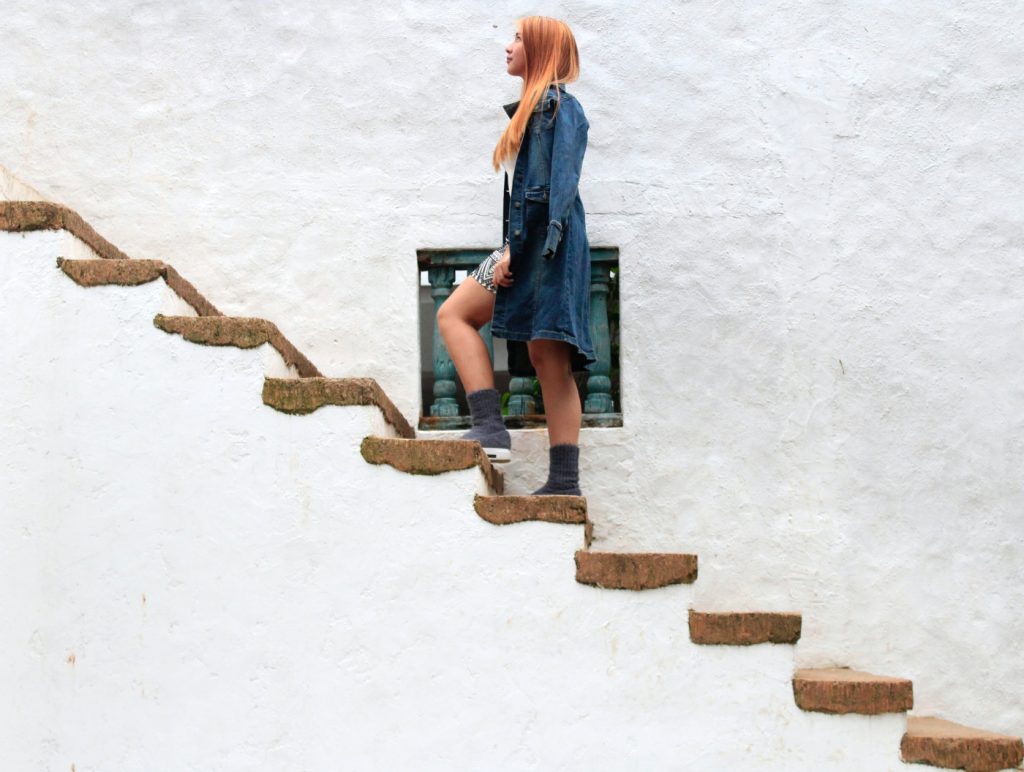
(300, 396)
(432, 457)
(504, 510)
(23, 216)
(95, 273)
(944, 744)
(839, 690)
(127, 272)
(241, 332)
(635, 570)
(743, 628)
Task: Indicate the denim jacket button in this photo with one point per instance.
(518, 204)
(518, 231)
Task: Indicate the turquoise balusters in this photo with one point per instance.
(599, 384)
(441, 280)
(521, 401)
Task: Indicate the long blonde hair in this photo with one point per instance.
(551, 57)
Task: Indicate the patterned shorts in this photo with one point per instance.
(484, 273)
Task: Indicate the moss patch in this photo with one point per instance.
(304, 395)
(504, 510)
(95, 273)
(217, 330)
(431, 457)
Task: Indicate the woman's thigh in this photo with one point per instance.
(471, 303)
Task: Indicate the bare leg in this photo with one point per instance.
(459, 319)
(552, 361)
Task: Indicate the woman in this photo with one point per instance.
(536, 289)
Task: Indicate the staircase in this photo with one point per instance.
(838, 711)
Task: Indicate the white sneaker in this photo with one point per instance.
(498, 455)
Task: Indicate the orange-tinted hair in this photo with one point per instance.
(551, 57)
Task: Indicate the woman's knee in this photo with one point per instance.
(470, 305)
(448, 316)
(549, 357)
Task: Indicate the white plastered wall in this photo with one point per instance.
(196, 581)
(817, 211)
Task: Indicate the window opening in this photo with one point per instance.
(443, 398)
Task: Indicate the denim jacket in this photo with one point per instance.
(546, 231)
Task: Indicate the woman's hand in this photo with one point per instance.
(502, 274)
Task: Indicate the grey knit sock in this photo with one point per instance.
(563, 472)
(488, 428)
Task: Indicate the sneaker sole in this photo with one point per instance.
(498, 455)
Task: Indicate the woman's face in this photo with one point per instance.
(515, 56)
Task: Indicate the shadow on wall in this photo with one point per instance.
(13, 189)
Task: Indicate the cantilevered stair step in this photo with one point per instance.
(838, 690)
(744, 628)
(635, 570)
(503, 510)
(241, 332)
(22, 216)
(432, 457)
(304, 395)
(952, 746)
(129, 273)
(99, 272)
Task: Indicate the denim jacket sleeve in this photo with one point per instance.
(568, 145)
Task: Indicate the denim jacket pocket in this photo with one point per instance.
(539, 193)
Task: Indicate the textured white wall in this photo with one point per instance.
(817, 207)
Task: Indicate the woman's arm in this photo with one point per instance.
(567, 148)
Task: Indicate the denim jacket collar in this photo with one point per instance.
(511, 107)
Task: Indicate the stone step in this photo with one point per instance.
(241, 332)
(95, 273)
(743, 628)
(502, 510)
(300, 396)
(129, 273)
(839, 690)
(953, 746)
(636, 570)
(432, 457)
(22, 216)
